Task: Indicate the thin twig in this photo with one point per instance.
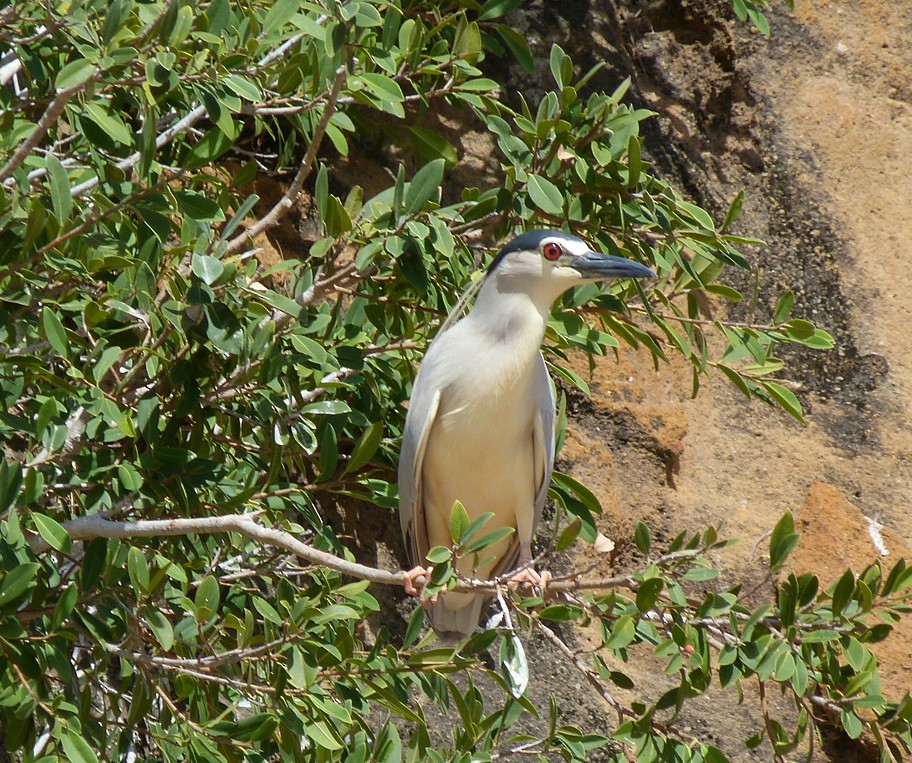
(272, 218)
(51, 113)
(621, 710)
(161, 140)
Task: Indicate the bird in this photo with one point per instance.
(480, 422)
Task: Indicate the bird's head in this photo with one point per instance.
(553, 261)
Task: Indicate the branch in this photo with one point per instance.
(282, 206)
(51, 113)
(75, 424)
(590, 676)
(131, 161)
(96, 526)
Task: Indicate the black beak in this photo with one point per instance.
(596, 265)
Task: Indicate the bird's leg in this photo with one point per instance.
(527, 573)
(416, 580)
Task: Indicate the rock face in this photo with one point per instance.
(830, 523)
(815, 124)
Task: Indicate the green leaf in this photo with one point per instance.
(74, 74)
(160, 627)
(842, 592)
(459, 521)
(413, 631)
(785, 398)
(851, 723)
(17, 581)
(697, 214)
(197, 207)
(648, 593)
(546, 195)
(734, 211)
(77, 749)
(559, 612)
(568, 535)
(61, 199)
(423, 186)
(634, 162)
(365, 447)
(783, 307)
(111, 124)
(641, 536)
(52, 531)
(280, 12)
(54, 332)
(495, 9)
(782, 540)
(319, 732)
(622, 633)
(735, 378)
(207, 268)
(207, 595)
(726, 292)
(430, 145)
(138, 570)
(468, 44)
(439, 555)
(586, 496)
(240, 215)
(799, 329)
(518, 46)
(561, 66)
(108, 358)
(211, 146)
(480, 84)
(386, 90)
(489, 539)
(243, 87)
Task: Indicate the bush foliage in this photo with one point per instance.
(176, 416)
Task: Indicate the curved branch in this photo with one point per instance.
(96, 526)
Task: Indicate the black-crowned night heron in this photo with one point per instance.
(480, 423)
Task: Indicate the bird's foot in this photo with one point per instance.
(416, 580)
(531, 577)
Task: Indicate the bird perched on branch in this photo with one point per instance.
(480, 423)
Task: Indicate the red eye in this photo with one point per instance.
(552, 251)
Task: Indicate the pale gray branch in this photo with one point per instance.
(97, 526)
(162, 139)
(94, 526)
(75, 424)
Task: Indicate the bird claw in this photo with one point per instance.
(531, 577)
(416, 580)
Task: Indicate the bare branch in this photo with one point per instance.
(281, 207)
(588, 673)
(48, 118)
(97, 526)
(162, 139)
(75, 424)
(94, 526)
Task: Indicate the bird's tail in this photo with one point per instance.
(454, 620)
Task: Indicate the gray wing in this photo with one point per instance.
(544, 389)
(422, 412)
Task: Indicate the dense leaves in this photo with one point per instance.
(158, 380)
